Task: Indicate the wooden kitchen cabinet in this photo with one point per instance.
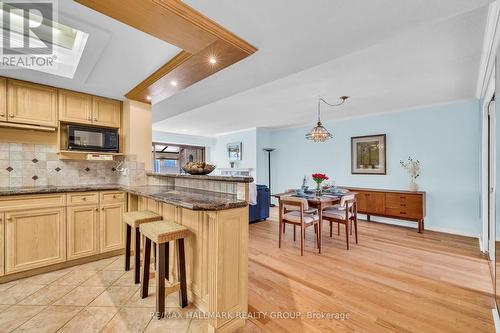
(2, 247)
(3, 99)
(30, 103)
(75, 107)
(106, 112)
(83, 231)
(111, 227)
(34, 238)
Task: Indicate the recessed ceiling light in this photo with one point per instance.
(148, 98)
(173, 82)
(212, 60)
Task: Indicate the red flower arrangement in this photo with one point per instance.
(319, 178)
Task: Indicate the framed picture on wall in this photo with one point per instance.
(234, 151)
(368, 154)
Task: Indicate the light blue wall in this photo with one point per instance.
(249, 142)
(445, 138)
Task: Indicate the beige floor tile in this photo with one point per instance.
(103, 278)
(50, 319)
(90, 319)
(129, 320)
(114, 296)
(18, 292)
(47, 295)
(7, 285)
(117, 265)
(198, 326)
(126, 280)
(17, 315)
(171, 299)
(168, 325)
(74, 278)
(97, 265)
(3, 307)
(46, 278)
(80, 296)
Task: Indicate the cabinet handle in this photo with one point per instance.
(114, 196)
(404, 213)
(84, 199)
(2, 114)
(9, 218)
(97, 209)
(11, 115)
(95, 119)
(403, 205)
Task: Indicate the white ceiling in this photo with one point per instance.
(116, 58)
(387, 55)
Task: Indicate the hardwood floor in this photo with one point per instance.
(395, 280)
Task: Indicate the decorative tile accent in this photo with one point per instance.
(58, 169)
(35, 177)
(34, 160)
(87, 169)
(9, 169)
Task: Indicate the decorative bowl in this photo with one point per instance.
(194, 168)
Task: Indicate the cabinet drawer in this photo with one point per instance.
(112, 197)
(405, 212)
(83, 198)
(395, 200)
(16, 202)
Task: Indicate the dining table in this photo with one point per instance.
(320, 202)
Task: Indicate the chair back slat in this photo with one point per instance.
(293, 203)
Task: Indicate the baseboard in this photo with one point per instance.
(496, 320)
(414, 225)
(481, 245)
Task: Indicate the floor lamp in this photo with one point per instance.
(269, 150)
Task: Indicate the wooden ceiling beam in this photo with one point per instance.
(176, 23)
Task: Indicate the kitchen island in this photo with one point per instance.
(49, 228)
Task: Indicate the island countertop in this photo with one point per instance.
(179, 196)
(235, 179)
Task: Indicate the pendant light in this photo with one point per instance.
(319, 133)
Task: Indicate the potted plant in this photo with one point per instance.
(318, 179)
(413, 168)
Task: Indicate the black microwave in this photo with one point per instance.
(88, 138)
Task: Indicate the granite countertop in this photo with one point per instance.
(179, 196)
(235, 179)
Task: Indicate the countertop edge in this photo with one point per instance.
(234, 179)
(131, 190)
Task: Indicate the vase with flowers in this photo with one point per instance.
(318, 179)
(413, 168)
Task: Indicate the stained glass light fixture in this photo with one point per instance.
(320, 133)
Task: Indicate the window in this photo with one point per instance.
(67, 43)
(170, 158)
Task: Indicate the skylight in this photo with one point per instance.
(67, 43)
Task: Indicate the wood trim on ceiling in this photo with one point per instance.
(176, 23)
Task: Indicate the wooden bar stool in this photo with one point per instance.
(161, 233)
(134, 220)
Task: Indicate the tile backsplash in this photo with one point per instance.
(39, 165)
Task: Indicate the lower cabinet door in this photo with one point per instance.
(83, 231)
(34, 238)
(111, 227)
(2, 254)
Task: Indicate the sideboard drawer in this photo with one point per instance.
(414, 213)
(394, 200)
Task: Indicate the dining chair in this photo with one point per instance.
(345, 213)
(289, 208)
(297, 216)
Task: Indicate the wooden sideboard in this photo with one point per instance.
(401, 205)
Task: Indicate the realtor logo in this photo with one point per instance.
(27, 33)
